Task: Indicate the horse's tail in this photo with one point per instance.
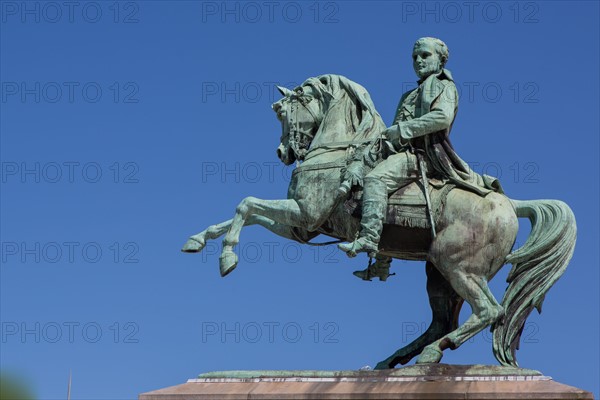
(536, 267)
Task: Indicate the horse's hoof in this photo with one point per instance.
(227, 262)
(193, 245)
(430, 355)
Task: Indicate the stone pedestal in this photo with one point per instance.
(419, 382)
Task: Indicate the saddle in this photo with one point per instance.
(407, 206)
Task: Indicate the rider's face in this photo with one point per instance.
(426, 60)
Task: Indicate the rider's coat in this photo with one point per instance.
(424, 117)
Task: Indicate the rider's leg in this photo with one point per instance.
(374, 206)
(393, 173)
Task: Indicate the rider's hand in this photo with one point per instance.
(354, 173)
(393, 135)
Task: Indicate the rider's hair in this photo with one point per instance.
(440, 48)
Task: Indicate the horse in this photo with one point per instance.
(323, 121)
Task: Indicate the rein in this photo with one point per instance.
(339, 163)
(338, 145)
(297, 141)
(300, 145)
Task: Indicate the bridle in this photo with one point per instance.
(299, 141)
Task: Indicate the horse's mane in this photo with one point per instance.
(344, 97)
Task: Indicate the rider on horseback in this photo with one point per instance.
(421, 127)
(331, 120)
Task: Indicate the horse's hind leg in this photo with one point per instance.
(196, 243)
(486, 310)
(445, 306)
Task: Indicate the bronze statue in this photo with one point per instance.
(460, 223)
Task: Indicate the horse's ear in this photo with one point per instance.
(285, 91)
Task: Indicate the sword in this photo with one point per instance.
(421, 162)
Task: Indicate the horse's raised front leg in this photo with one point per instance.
(196, 243)
(286, 212)
(445, 307)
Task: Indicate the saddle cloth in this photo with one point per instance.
(407, 206)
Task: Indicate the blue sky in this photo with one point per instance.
(128, 126)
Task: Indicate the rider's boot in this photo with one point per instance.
(374, 207)
(379, 269)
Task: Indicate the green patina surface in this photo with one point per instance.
(332, 130)
(413, 370)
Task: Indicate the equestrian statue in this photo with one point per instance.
(403, 192)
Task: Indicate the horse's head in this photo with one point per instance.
(329, 111)
(300, 114)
